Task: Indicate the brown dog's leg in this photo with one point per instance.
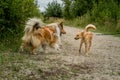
(80, 47)
(90, 43)
(86, 48)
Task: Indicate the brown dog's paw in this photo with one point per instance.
(79, 51)
(86, 54)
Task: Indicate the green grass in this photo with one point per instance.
(10, 41)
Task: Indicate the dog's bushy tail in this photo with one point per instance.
(90, 26)
(31, 24)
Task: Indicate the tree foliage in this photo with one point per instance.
(53, 9)
(13, 13)
(66, 11)
(74, 8)
(98, 8)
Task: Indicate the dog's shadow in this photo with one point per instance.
(39, 52)
(48, 53)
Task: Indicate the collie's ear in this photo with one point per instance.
(61, 23)
(36, 25)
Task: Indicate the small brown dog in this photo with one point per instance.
(86, 37)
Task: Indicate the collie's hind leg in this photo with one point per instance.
(33, 50)
(22, 47)
(44, 48)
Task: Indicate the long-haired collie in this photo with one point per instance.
(36, 35)
(86, 37)
(59, 30)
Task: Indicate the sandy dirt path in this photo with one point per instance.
(103, 62)
(104, 55)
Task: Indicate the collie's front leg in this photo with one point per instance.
(55, 46)
(59, 42)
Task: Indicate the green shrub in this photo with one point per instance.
(105, 14)
(14, 13)
(53, 9)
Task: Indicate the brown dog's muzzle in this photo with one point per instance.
(76, 38)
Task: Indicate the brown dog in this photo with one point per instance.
(86, 37)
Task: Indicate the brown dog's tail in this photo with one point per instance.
(32, 24)
(90, 26)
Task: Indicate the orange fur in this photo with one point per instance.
(86, 37)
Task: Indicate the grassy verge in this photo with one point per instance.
(10, 40)
(108, 28)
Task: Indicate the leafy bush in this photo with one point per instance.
(103, 13)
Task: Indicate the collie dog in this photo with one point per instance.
(36, 34)
(59, 30)
(86, 37)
